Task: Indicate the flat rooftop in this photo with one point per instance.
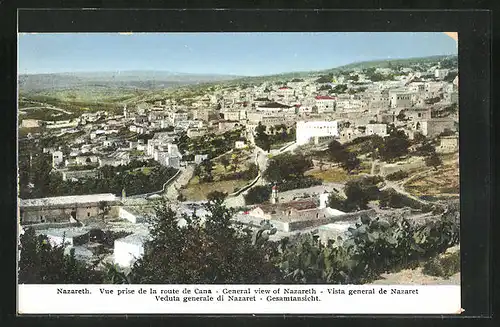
(68, 200)
(64, 232)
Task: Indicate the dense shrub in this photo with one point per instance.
(396, 176)
(258, 194)
(43, 263)
(372, 247)
(391, 198)
(443, 265)
(303, 182)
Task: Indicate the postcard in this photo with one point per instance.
(238, 173)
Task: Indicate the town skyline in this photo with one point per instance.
(232, 54)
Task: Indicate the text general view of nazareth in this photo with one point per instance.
(250, 158)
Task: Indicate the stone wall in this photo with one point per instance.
(353, 216)
(62, 214)
(387, 169)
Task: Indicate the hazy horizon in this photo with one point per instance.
(214, 74)
(230, 54)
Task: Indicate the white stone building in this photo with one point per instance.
(57, 158)
(325, 103)
(376, 129)
(400, 99)
(441, 73)
(315, 130)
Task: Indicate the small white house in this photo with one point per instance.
(240, 145)
(376, 129)
(128, 249)
(57, 158)
(315, 130)
(130, 214)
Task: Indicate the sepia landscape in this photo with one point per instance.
(343, 175)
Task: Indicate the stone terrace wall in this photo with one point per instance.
(353, 216)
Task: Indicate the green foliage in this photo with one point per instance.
(215, 252)
(358, 193)
(257, 194)
(305, 260)
(325, 78)
(341, 88)
(295, 183)
(419, 138)
(205, 171)
(339, 153)
(357, 90)
(287, 166)
(351, 162)
(261, 138)
(335, 201)
(279, 134)
(443, 265)
(433, 160)
(42, 263)
(395, 145)
(396, 176)
(115, 275)
(383, 246)
(372, 247)
(373, 76)
(450, 77)
(211, 144)
(216, 195)
(425, 149)
(431, 101)
(392, 199)
(47, 183)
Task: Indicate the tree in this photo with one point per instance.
(360, 191)
(341, 88)
(426, 149)
(235, 161)
(354, 78)
(206, 170)
(433, 161)
(225, 162)
(257, 194)
(336, 202)
(325, 79)
(43, 263)
(395, 146)
(401, 116)
(216, 195)
(351, 162)
(103, 207)
(287, 166)
(262, 140)
(337, 151)
(419, 137)
(321, 164)
(213, 252)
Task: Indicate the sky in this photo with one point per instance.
(243, 54)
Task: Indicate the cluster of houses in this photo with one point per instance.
(312, 108)
(316, 111)
(70, 219)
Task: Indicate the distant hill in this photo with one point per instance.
(356, 65)
(388, 62)
(125, 79)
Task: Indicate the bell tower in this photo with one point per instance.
(274, 194)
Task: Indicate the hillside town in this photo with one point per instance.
(230, 140)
